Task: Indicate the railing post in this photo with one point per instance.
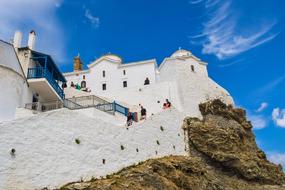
(45, 62)
(114, 107)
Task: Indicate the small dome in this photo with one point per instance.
(181, 53)
(113, 57)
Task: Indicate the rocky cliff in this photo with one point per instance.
(222, 155)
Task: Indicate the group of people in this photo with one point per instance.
(80, 87)
(167, 104)
(143, 112)
(77, 86)
(130, 116)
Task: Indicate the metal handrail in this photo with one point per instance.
(44, 106)
(80, 103)
(121, 109)
(88, 101)
(71, 105)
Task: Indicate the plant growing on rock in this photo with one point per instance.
(77, 141)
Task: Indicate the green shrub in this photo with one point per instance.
(77, 141)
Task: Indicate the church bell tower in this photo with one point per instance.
(77, 64)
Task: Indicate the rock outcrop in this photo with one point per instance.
(223, 155)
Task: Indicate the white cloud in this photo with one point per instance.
(196, 1)
(278, 116)
(232, 63)
(277, 158)
(222, 34)
(262, 107)
(271, 85)
(258, 121)
(37, 15)
(95, 21)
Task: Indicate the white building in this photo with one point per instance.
(28, 79)
(109, 73)
(45, 150)
(182, 78)
(14, 86)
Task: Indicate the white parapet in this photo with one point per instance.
(46, 154)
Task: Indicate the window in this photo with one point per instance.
(104, 73)
(83, 77)
(125, 84)
(124, 72)
(104, 86)
(83, 84)
(192, 68)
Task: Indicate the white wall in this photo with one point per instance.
(151, 96)
(47, 155)
(14, 93)
(185, 89)
(24, 58)
(193, 87)
(177, 83)
(14, 89)
(171, 67)
(135, 75)
(8, 57)
(75, 78)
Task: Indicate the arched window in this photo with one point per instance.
(192, 68)
(104, 73)
(83, 77)
(124, 72)
(83, 84)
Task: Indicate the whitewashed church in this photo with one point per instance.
(109, 72)
(145, 83)
(38, 84)
(52, 113)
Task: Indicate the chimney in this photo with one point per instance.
(17, 41)
(77, 64)
(32, 40)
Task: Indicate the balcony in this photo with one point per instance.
(44, 77)
(39, 72)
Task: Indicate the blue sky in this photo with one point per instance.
(243, 42)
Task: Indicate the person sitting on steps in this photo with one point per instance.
(168, 103)
(143, 113)
(72, 85)
(146, 82)
(129, 119)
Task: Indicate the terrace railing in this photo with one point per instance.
(71, 105)
(121, 109)
(40, 72)
(88, 101)
(44, 106)
(80, 103)
(97, 102)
